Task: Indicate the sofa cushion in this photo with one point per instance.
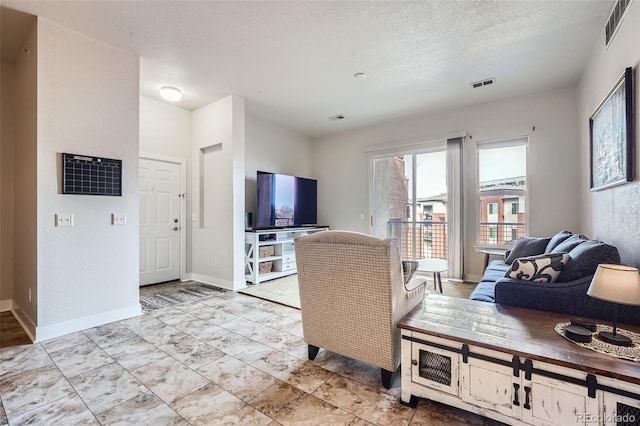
(408, 269)
(544, 268)
(527, 246)
(557, 239)
(584, 259)
(569, 244)
(485, 291)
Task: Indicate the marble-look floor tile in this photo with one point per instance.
(299, 373)
(234, 308)
(134, 353)
(359, 422)
(68, 411)
(106, 387)
(173, 316)
(3, 415)
(160, 335)
(20, 359)
(169, 379)
(200, 329)
(241, 347)
(281, 323)
(240, 379)
(141, 322)
(24, 392)
(258, 315)
(197, 408)
(109, 334)
(191, 352)
(80, 358)
(290, 406)
(355, 370)
(213, 314)
(287, 343)
(144, 409)
(64, 342)
(430, 413)
(365, 402)
(247, 328)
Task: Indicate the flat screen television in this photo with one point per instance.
(285, 201)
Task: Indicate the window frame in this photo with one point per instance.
(491, 144)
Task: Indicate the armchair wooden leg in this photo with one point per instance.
(313, 352)
(387, 378)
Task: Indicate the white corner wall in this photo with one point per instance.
(272, 148)
(342, 168)
(218, 237)
(611, 214)
(88, 104)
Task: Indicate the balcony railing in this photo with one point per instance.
(498, 233)
(418, 240)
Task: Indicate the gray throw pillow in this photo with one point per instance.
(557, 239)
(526, 246)
(570, 243)
(584, 259)
(544, 268)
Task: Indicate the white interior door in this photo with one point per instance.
(160, 224)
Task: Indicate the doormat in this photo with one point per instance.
(176, 293)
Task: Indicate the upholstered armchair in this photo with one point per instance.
(352, 295)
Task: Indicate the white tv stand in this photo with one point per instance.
(283, 259)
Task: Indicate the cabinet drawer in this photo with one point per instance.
(289, 257)
(288, 266)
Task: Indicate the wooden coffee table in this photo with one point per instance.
(509, 364)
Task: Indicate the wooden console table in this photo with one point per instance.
(509, 364)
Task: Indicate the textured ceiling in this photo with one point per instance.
(294, 61)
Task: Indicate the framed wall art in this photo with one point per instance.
(611, 136)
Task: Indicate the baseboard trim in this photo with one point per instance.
(25, 322)
(473, 278)
(6, 305)
(71, 326)
(216, 282)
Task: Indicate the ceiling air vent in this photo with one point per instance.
(481, 83)
(337, 117)
(614, 19)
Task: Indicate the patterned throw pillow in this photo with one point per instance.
(408, 268)
(545, 268)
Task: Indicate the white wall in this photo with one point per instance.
(553, 167)
(7, 135)
(165, 130)
(218, 237)
(272, 148)
(88, 104)
(611, 214)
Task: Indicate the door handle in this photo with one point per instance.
(175, 228)
(175, 220)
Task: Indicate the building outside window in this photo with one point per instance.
(502, 191)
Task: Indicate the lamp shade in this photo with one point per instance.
(616, 283)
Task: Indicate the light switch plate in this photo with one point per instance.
(64, 219)
(118, 218)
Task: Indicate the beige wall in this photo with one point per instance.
(25, 185)
(553, 166)
(7, 134)
(611, 214)
(272, 148)
(88, 103)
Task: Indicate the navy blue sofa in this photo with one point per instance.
(568, 295)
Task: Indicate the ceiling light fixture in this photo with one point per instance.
(359, 75)
(171, 93)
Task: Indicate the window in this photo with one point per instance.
(502, 184)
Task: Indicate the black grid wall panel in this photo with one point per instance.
(91, 175)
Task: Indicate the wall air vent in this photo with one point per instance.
(481, 83)
(614, 19)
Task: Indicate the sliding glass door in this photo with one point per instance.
(412, 201)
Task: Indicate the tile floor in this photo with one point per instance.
(228, 359)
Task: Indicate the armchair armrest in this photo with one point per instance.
(415, 283)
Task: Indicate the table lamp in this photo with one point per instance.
(619, 284)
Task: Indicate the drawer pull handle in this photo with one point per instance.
(516, 387)
(527, 397)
